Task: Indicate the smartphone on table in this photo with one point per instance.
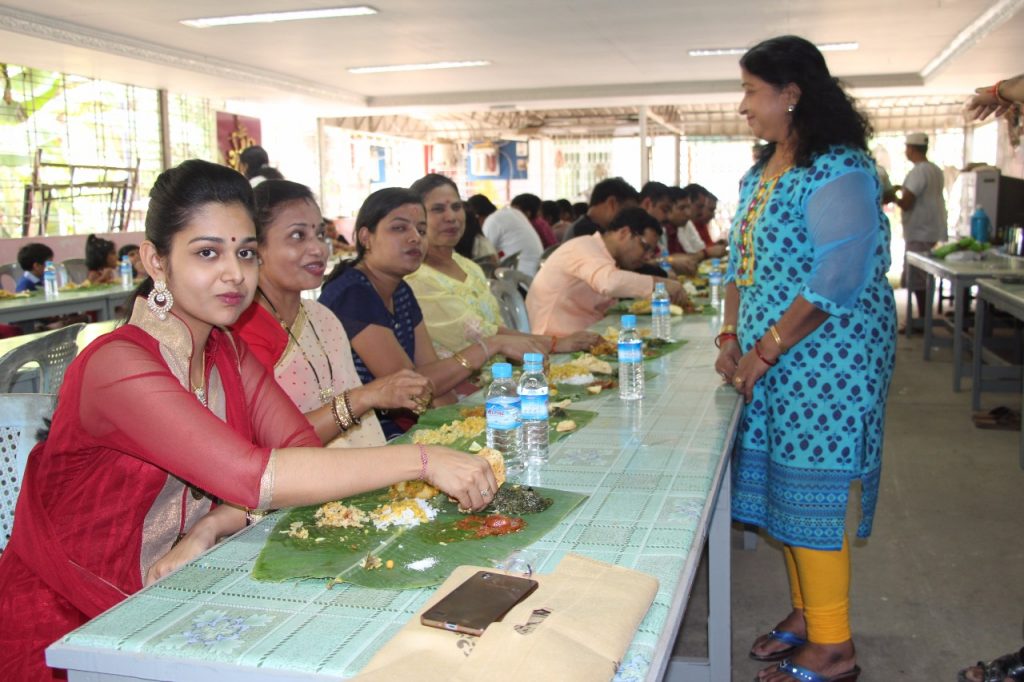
(482, 599)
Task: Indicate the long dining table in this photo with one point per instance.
(962, 275)
(657, 476)
(103, 300)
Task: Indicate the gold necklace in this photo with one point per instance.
(200, 390)
(326, 392)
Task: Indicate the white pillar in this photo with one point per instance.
(645, 161)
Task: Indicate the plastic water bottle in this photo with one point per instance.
(504, 418)
(715, 283)
(50, 280)
(631, 360)
(126, 273)
(665, 263)
(979, 225)
(533, 392)
(661, 314)
(62, 276)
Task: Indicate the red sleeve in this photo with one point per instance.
(263, 334)
(130, 401)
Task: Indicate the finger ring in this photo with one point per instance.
(738, 381)
(485, 493)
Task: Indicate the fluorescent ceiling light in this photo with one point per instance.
(418, 67)
(270, 17)
(724, 51)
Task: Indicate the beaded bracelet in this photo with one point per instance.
(348, 407)
(760, 355)
(724, 335)
(423, 462)
(777, 338)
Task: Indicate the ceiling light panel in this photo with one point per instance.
(726, 51)
(271, 17)
(396, 68)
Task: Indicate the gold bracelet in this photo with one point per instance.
(461, 359)
(727, 329)
(340, 415)
(777, 338)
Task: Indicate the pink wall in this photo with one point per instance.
(63, 247)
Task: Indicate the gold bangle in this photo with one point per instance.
(461, 359)
(777, 338)
(727, 329)
(340, 413)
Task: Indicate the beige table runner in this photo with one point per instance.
(577, 625)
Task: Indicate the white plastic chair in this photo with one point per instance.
(77, 271)
(53, 352)
(520, 279)
(511, 303)
(9, 276)
(22, 418)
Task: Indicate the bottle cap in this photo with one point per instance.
(501, 370)
(534, 358)
(47, 263)
(629, 321)
(659, 287)
(715, 262)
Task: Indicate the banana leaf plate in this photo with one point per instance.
(431, 419)
(419, 557)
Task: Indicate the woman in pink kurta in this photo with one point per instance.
(302, 343)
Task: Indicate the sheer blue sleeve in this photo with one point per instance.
(843, 225)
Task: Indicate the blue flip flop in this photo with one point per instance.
(798, 672)
(793, 640)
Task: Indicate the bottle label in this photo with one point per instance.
(535, 407)
(660, 307)
(503, 415)
(631, 351)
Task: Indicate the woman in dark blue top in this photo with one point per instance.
(379, 310)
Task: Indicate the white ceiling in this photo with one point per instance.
(544, 53)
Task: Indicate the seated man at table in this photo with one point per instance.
(32, 260)
(606, 200)
(585, 276)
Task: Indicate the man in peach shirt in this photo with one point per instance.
(586, 276)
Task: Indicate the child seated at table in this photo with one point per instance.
(32, 260)
(101, 259)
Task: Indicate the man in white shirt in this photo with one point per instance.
(511, 232)
(924, 209)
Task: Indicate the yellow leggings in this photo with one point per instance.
(819, 583)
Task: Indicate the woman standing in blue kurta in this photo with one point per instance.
(809, 340)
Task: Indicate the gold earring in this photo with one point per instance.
(160, 301)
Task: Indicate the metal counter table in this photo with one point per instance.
(1009, 298)
(658, 481)
(962, 276)
(103, 300)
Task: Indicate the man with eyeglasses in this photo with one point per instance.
(584, 277)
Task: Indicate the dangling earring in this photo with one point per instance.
(790, 108)
(160, 301)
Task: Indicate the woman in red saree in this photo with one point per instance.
(168, 430)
